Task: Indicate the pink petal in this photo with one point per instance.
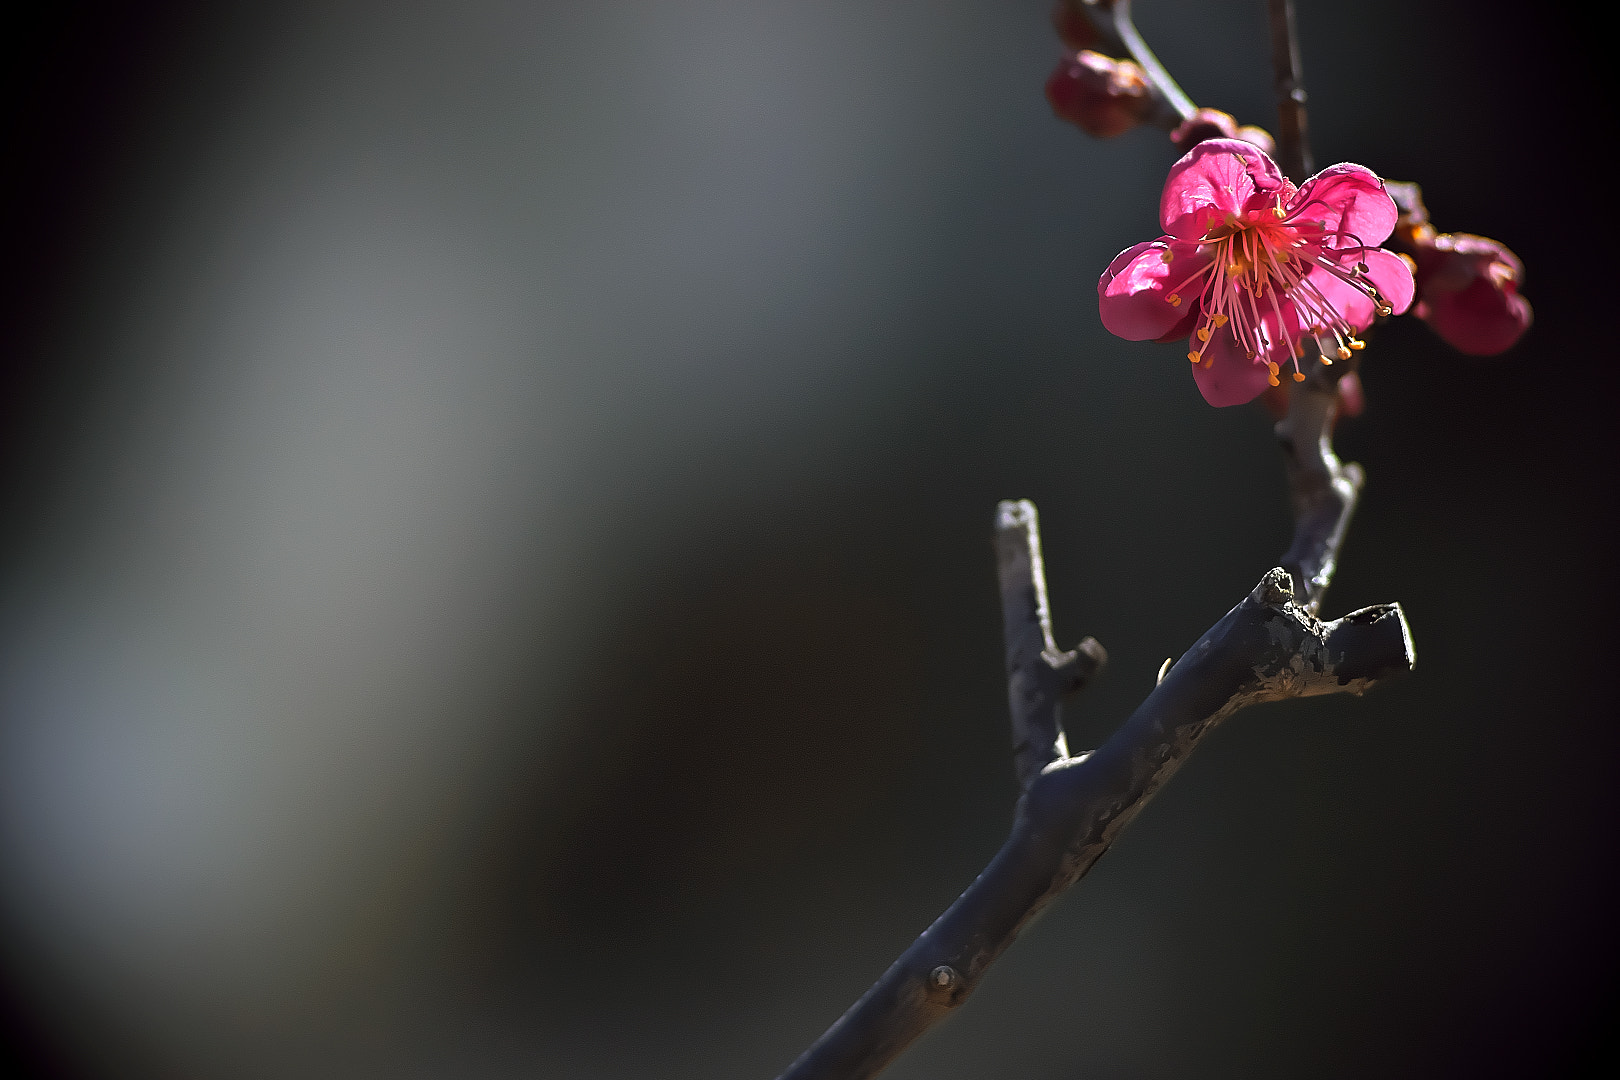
(1185, 326)
(1391, 276)
(1132, 293)
(1353, 305)
(1213, 179)
(1348, 200)
(1232, 379)
(1481, 320)
(1387, 272)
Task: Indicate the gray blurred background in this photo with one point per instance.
(496, 557)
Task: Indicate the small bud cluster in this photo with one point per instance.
(1467, 285)
(1105, 96)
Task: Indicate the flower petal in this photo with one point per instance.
(1391, 276)
(1213, 179)
(1353, 306)
(1481, 320)
(1226, 376)
(1386, 272)
(1133, 293)
(1349, 201)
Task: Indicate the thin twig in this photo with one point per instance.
(1266, 648)
(1119, 37)
(1039, 674)
(1293, 146)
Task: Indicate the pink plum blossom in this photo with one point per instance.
(1257, 270)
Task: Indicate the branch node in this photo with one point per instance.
(1276, 588)
(1039, 674)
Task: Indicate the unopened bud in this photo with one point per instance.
(1215, 124)
(1468, 291)
(1102, 96)
(1072, 24)
(1467, 285)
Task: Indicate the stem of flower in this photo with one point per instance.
(1293, 148)
(1112, 20)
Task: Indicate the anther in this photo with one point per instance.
(1384, 309)
(1175, 301)
(1299, 376)
(1194, 357)
(1344, 353)
(1203, 333)
(1272, 378)
(1220, 321)
(1167, 255)
(1325, 360)
(1357, 344)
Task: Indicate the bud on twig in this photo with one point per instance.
(1074, 27)
(1467, 285)
(1102, 96)
(1215, 124)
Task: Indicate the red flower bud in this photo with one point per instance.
(1215, 124)
(1468, 291)
(1104, 97)
(1073, 26)
(1467, 286)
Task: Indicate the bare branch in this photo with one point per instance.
(1288, 81)
(1266, 648)
(1039, 674)
(1324, 489)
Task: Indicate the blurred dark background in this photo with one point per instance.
(496, 557)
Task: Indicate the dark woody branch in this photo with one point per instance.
(1288, 83)
(1039, 674)
(1271, 646)
(1267, 648)
(1324, 490)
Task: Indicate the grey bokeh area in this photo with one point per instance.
(499, 577)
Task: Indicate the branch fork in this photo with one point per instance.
(1269, 647)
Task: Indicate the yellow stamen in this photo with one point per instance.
(1271, 365)
(1203, 333)
(1344, 353)
(1325, 360)
(1357, 344)
(1299, 376)
(1194, 357)
(1272, 378)
(1220, 321)
(1277, 212)
(1175, 301)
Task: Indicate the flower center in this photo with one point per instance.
(1261, 263)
